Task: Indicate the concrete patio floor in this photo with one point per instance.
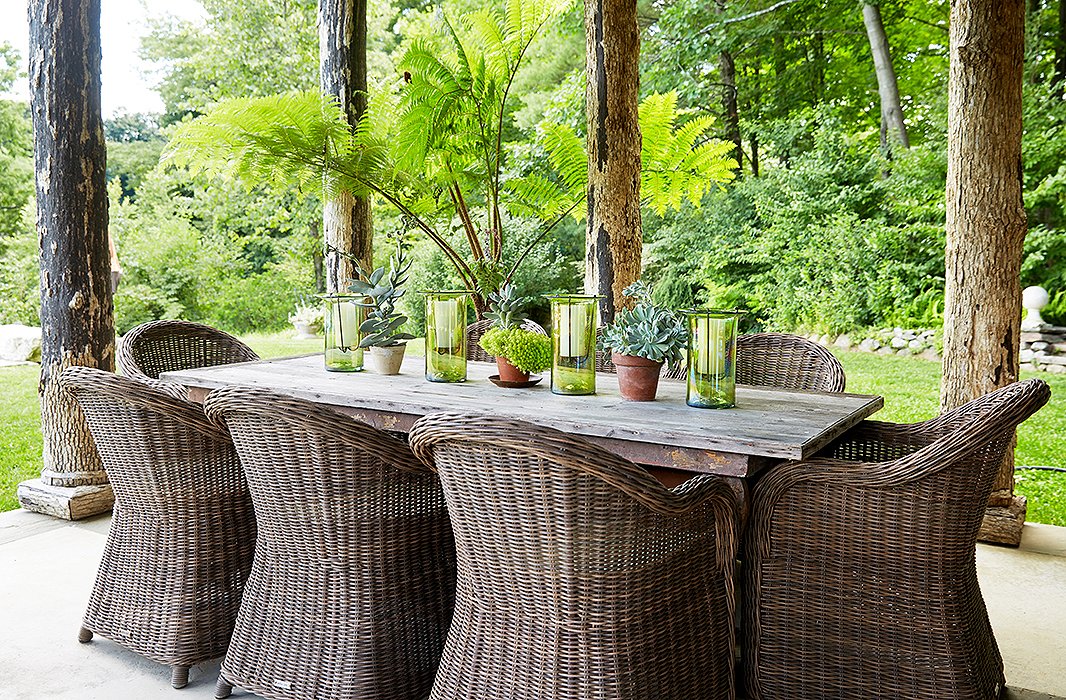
(47, 569)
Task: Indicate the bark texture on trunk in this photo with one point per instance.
(69, 161)
(613, 238)
(346, 220)
(887, 87)
(986, 222)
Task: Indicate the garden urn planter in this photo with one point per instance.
(638, 378)
(386, 360)
(510, 373)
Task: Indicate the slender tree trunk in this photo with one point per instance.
(985, 218)
(346, 220)
(613, 238)
(887, 87)
(1060, 52)
(754, 154)
(69, 157)
(727, 73)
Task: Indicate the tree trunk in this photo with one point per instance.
(69, 157)
(613, 238)
(887, 87)
(346, 220)
(1060, 52)
(727, 73)
(985, 218)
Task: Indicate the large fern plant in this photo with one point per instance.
(436, 149)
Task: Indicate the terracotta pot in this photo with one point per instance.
(638, 378)
(385, 360)
(510, 373)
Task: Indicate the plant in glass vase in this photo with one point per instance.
(518, 351)
(641, 340)
(381, 332)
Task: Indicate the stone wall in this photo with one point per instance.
(1044, 349)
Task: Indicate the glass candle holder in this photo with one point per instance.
(341, 329)
(446, 335)
(574, 344)
(712, 358)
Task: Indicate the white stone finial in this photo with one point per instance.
(1034, 299)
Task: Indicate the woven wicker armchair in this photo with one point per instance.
(580, 575)
(783, 361)
(475, 330)
(168, 346)
(183, 532)
(353, 582)
(860, 577)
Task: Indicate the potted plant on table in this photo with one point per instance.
(641, 339)
(518, 351)
(381, 331)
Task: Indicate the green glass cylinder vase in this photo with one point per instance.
(446, 335)
(712, 358)
(574, 344)
(343, 316)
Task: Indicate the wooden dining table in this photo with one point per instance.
(766, 427)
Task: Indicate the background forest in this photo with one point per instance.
(834, 222)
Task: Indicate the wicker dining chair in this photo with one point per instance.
(353, 583)
(183, 530)
(783, 361)
(580, 575)
(475, 330)
(167, 346)
(860, 574)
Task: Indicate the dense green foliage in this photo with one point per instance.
(823, 227)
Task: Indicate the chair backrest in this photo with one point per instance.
(521, 495)
(783, 361)
(475, 330)
(157, 449)
(323, 480)
(166, 346)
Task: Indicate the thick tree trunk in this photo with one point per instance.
(613, 235)
(69, 156)
(985, 218)
(887, 87)
(346, 220)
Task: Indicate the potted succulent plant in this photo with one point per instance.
(518, 351)
(641, 339)
(381, 331)
(308, 319)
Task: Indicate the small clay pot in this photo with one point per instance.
(385, 360)
(510, 373)
(638, 378)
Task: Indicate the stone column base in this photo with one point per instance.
(1003, 524)
(66, 502)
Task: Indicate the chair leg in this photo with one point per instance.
(222, 688)
(179, 676)
(85, 635)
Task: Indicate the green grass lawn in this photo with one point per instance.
(910, 387)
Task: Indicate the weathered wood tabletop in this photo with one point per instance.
(768, 425)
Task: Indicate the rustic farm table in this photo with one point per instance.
(767, 426)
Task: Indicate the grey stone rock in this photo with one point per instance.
(916, 345)
(904, 352)
(1026, 355)
(930, 354)
(1040, 345)
(843, 342)
(870, 345)
(1055, 369)
(824, 340)
(898, 343)
(19, 343)
(909, 335)
(886, 351)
